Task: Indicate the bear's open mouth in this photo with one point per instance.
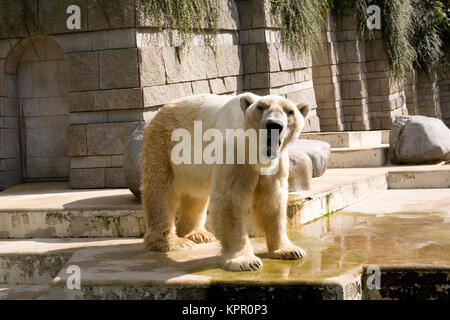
(273, 142)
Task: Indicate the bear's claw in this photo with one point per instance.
(244, 263)
(200, 236)
(173, 244)
(292, 253)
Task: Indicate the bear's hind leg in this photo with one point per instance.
(191, 224)
(160, 203)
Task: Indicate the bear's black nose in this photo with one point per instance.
(274, 125)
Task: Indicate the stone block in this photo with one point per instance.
(77, 140)
(249, 58)
(217, 86)
(233, 84)
(74, 42)
(202, 86)
(183, 65)
(121, 38)
(111, 14)
(118, 99)
(88, 117)
(90, 162)
(119, 68)
(228, 61)
(245, 14)
(115, 178)
(108, 138)
(53, 16)
(281, 78)
(53, 106)
(151, 67)
(87, 178)
(256, 81)
(15, 23)
(154, 96)
(125, 115)
(83, 71)
(44, 78)
(81, 101)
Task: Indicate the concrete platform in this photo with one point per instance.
(350, 139)
(359, 157)
(52, 210)
(25, 292)
(411, 245)
(438, 177)
(38, 261)
(57, 211)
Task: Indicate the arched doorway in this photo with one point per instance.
(38, 89)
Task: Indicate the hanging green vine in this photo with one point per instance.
(186, 16)
(415, 32)
(301, 22)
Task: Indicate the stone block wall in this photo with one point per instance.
(354, 88)
(120, 68)
(444, 97)
(267, 67)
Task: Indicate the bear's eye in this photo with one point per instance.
(261, 108)
(290, 112)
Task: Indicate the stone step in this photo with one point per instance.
(420, 179)
(342, 250)
(24, 292)
(359, 157)
(350, 139)
(38, 261)
(64, 213)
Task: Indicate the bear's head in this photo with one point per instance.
(282, 120)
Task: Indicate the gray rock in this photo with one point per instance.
(131, 163)
(300, 171)
(318, 151)
(419, 139)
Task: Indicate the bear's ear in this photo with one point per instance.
(304, 108)
(246, 100)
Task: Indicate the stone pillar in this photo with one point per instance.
(387, 99)
(427, 96)
(411, 93)
(351, 60)
(268, 67)
(444, 99)
(326, 78)
(10, 161)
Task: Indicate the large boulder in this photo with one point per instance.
(318, 151)
(300, 171)
(308, 158)
(419, 139)
(131, 162)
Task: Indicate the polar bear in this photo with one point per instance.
(228, 191)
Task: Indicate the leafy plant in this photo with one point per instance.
(301, 22)
(186, 16)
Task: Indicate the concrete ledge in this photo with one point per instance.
(419, 179)
(350, 139)
(374, 156)
(339, 248)
(57, 212)
(38, 261)
(24, 292)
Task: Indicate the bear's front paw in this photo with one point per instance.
(172, 244)
(200, 236)
(289, 253)
(242, 263)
